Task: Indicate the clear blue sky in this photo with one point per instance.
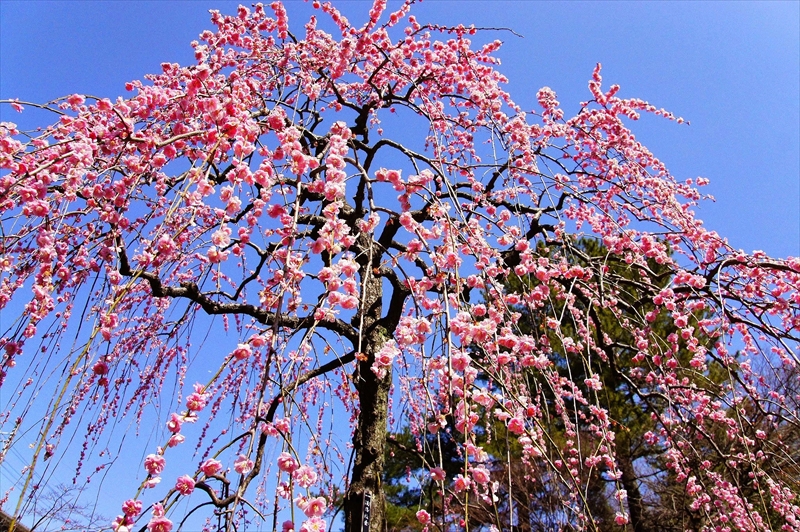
(731, 68)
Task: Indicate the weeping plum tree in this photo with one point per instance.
(259, 261)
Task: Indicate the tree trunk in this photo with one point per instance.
(369, 439)
(638, 518)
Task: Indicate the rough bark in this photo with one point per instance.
(369, 438)
(369, 441)
(638, 519)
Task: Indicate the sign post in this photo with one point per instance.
(366, 511)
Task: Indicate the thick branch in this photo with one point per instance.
(191, 291)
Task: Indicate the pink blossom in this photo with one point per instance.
(275, 120)
(305, 476)
(284, 491)
(315, 507)
(437, 474)
(314, 524)
(121, 523)
(480, 475)
(221, 237)
(516, 425)
(216, 256)
(174, 423)
(159, 524)
(75, 99)
(282, 425)
(384, 358)
(132, 507)
(593, 383)
(349, 302)
(197, 400)
(242, 352)
(287, 463)
(166, 247)
(154, 464)
(423, 517)
(460, 361)
(258, 340)
(211, 467)
(460, 483)
(100, 367)
(287, 526)
(243, 465)
(184, 485)
(276, 210)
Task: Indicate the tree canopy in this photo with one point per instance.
(273, 254)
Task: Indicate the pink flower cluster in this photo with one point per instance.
(384, 358)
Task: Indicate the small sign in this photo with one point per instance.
(366, 511)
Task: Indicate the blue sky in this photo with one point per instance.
(731, 68)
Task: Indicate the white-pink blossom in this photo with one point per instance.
(315, 507)
(305, 476)
(287, 463)
(243, 465)
(314, 524)
(480, 475)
